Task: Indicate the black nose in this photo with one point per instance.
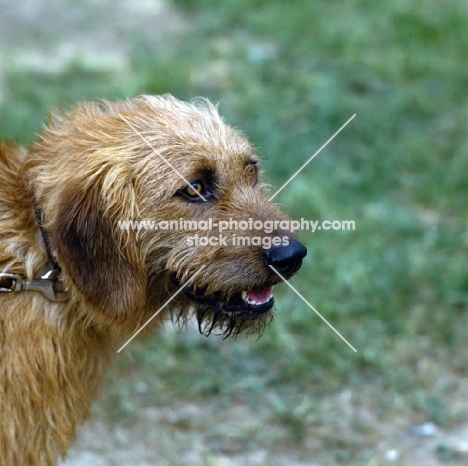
(285, 259)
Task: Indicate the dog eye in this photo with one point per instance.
(194, 190)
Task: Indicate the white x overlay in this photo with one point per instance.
(202, 267)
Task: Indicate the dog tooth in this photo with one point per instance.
(244, 296)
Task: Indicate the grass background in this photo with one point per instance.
(289, 74)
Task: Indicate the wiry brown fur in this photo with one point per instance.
(87, 171)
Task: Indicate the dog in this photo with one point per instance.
(76, 283)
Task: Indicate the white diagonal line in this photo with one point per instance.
(161, 308)
(159, 154)
(313, 308)
(305, 164)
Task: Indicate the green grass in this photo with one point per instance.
(289, 75)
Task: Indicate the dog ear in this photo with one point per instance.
(104, 268)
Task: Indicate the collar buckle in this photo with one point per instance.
(50, 285)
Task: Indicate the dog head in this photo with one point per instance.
(103, 170)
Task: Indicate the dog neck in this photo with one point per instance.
(50, 284)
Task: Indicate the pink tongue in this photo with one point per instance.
(261, 296)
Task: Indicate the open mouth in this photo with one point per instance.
(253, 302)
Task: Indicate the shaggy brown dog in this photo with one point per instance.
(74, 284)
